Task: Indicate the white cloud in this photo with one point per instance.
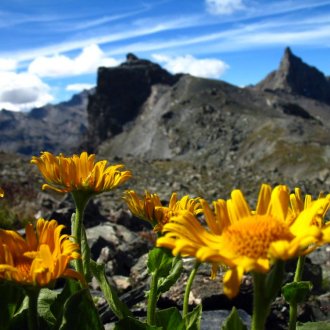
(90, 58)
(78, 87)
(22, 91)
(206, 68)
(7, 64)
(223, 7)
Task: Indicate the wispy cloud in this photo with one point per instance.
(153, 28)
(268, 32)
(189, 40)
(251, 9)
(145, 26)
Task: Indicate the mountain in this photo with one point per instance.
(120, 93)
(274, 127)
(56, 128)
(295, 77)
(192, 132)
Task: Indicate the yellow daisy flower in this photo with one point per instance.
(150, 208)
(67, 174)
(244, 239)
(39, 259)
(2, 193)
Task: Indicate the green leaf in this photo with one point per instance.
(160, 260)
(297, 292)
(174, 273)
(234, 322)
(45, 300)
(193, 318)
(47, 319)
(11, 299)
(80, 313)
(321, 325)
(169, 319)
(71, 287)
(117, 306)
(130, 323)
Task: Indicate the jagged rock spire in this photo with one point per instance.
(296, 77)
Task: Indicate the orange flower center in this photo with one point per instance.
(252, 236)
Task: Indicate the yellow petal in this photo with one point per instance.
(304, 221)
(238, 207)
(232, 281)
(263, 199)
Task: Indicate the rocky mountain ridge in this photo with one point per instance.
(56, 128)
(120, 93)
(295, 77)
(212, 123)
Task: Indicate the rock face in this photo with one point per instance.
(120, 93)
(212, 123)
(56, 128)
(296, 77)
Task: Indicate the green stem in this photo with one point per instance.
(293, 316)
(299, 269)
(33, 319)
(294, 305)
(152, 299)
(188, 288)
(81, 199)
(261, 306)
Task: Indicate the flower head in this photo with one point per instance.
(2, 193)
(150, 208)
(67, 174)
(244, 239)
(39, 259)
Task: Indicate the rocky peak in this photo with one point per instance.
(296, 77)
(119, 94)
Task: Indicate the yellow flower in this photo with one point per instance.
(150, 208)
(39, 259)
(2, 193)
(67, 174)
(244, 239)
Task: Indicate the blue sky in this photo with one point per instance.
(52, 49)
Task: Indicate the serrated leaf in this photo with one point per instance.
(80, 313)
(297, 292)
(160, 261)
(45, 300)
(70, 288)
(117, 306)
(47, 320)
(169, 319)
(321, 325)
(193, 318)
(234, 322)
(174, 273)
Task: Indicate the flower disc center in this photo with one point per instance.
(252, 236)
